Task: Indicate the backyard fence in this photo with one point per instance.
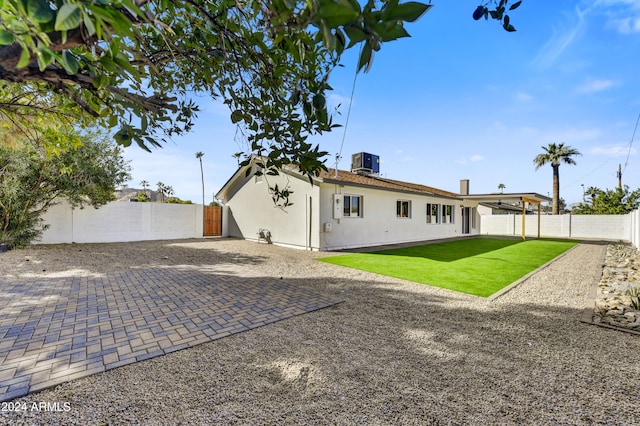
(605, 227)
(122, 222)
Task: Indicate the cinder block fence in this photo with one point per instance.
(122, 222)
(603, 227)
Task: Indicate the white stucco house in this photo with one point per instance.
(343, 209)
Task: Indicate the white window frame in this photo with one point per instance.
(450, 217)
(431, 218)
(349, 203)
(400, 210)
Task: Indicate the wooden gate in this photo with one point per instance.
(212, 221)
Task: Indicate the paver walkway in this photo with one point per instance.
(54, 330)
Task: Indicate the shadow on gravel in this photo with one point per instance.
(67, 260)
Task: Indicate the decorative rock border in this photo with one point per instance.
(613, 304)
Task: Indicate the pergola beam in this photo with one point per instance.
(524, 210)
(524, 197)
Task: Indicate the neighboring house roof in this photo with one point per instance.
(349, 178)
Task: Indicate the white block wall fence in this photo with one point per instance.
(604, 227)
(122, 222)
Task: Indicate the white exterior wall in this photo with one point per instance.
(251, 209)
(609, 227)
(122, 222)
(379, 224)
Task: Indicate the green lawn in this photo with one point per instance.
(478, 266)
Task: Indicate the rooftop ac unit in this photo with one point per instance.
(365, 163)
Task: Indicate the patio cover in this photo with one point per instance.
(528, 197)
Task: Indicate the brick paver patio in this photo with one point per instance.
(54, 330)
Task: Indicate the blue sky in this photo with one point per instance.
(462, 99)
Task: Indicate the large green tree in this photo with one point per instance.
(132, 65)
(32, 180)
(610, 201)
(556, 154)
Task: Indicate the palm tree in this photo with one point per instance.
(593, 192)
(555, 154)
(144, 185)
(199, 156)
(501, 187)
(162, 188)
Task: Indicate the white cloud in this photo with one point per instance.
(613, 151)
(561, 40)
(622, 16)
(523, 97)
(593, 86)
(340, 102)
(572, 136)
(473, 159)
(498, 126)
(626, 25)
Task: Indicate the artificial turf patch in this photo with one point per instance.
(478, 266)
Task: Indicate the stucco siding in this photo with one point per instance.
(379, 223)
(252, 209)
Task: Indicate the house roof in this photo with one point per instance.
(349, 178)
(344, 177)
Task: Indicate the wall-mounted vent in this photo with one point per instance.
(365, 164)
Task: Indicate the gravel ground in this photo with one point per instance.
(393, 353)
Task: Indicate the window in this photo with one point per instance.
(473, 217)
(433, 213)
(403, 209)
(447, 213)
(352, 206)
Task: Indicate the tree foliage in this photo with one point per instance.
(556, 154)
(176, 200)
(610, 201)
(498, 13)
(31, 180)
(132, 65)
(142, 197)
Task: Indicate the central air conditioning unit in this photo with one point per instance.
(364, 163)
